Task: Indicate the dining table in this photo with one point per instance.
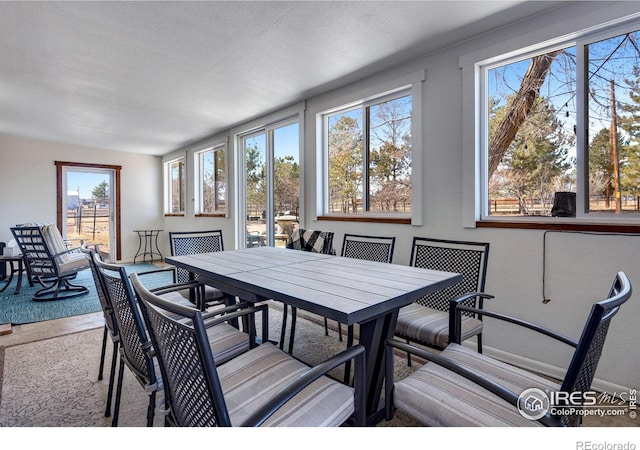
(347, 290)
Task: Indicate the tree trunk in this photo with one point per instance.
(518, 108)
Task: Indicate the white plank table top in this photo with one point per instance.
(343, 289)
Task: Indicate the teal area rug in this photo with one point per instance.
(20, 308)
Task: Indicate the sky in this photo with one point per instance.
(85, 182)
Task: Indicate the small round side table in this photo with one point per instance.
(148, 239)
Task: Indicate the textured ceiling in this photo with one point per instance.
(150, 77)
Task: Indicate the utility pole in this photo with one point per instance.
(614, 150)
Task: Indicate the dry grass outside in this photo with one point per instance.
(89, 225)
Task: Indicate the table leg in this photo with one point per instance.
(139, 247)
(373, 335)
(9, 277)
(19, 282)
(157, 248)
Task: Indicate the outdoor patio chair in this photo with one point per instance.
(307, 241)
(426, 321)
(191, 243)
(136, 351)
(461, 388)
(262, 387)
(50, 262)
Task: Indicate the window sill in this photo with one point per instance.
(174, 215)
(212, 215)
(374, 219)
(562, 226)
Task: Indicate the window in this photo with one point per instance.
(560, 133)
(212, 186)
(368, 155)
(175, 179)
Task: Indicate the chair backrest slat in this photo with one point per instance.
(34, 247)
(192, 243)
(370, 248)
(465, 257)
(191, 382)
(585, 359)
(103, 296)
(133, 335)
(312, 241)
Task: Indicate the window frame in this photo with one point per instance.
(266, 125)
(168, 185)
(199, 181)
(410, 86)
(475, 134)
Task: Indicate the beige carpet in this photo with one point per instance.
(53, 383)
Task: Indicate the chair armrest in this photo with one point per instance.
(455, 318)
(309, 376)
(455, 328)
(236, 311)
(454, 366)
(68, 251)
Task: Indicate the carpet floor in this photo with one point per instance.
(53, 382)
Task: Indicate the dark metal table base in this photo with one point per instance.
(148, 239)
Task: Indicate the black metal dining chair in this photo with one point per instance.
(460, 387)
(308, 241)
(368, 248)
(262, 387)
(136, 351)
(110, 326)
(195, 242)
(426, 321)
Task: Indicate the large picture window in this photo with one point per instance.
(561, 130)
(368, 150)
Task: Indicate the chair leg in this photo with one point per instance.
(408, 356)
(294, 313)
(58, 289)
(347, 365)
(151, 408)
(326, 327)
(480, 343)
(340, 332)
(116, 408)
(112, 377)
(103, 351)
(283, 329)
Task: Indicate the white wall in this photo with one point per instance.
(28, 185)
(579, 268)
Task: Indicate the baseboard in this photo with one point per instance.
(547, 369)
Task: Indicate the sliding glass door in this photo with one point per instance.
(271, 188)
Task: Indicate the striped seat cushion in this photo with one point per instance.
(252, 378)
(227, 342)
(435, 396)
(431, 326)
